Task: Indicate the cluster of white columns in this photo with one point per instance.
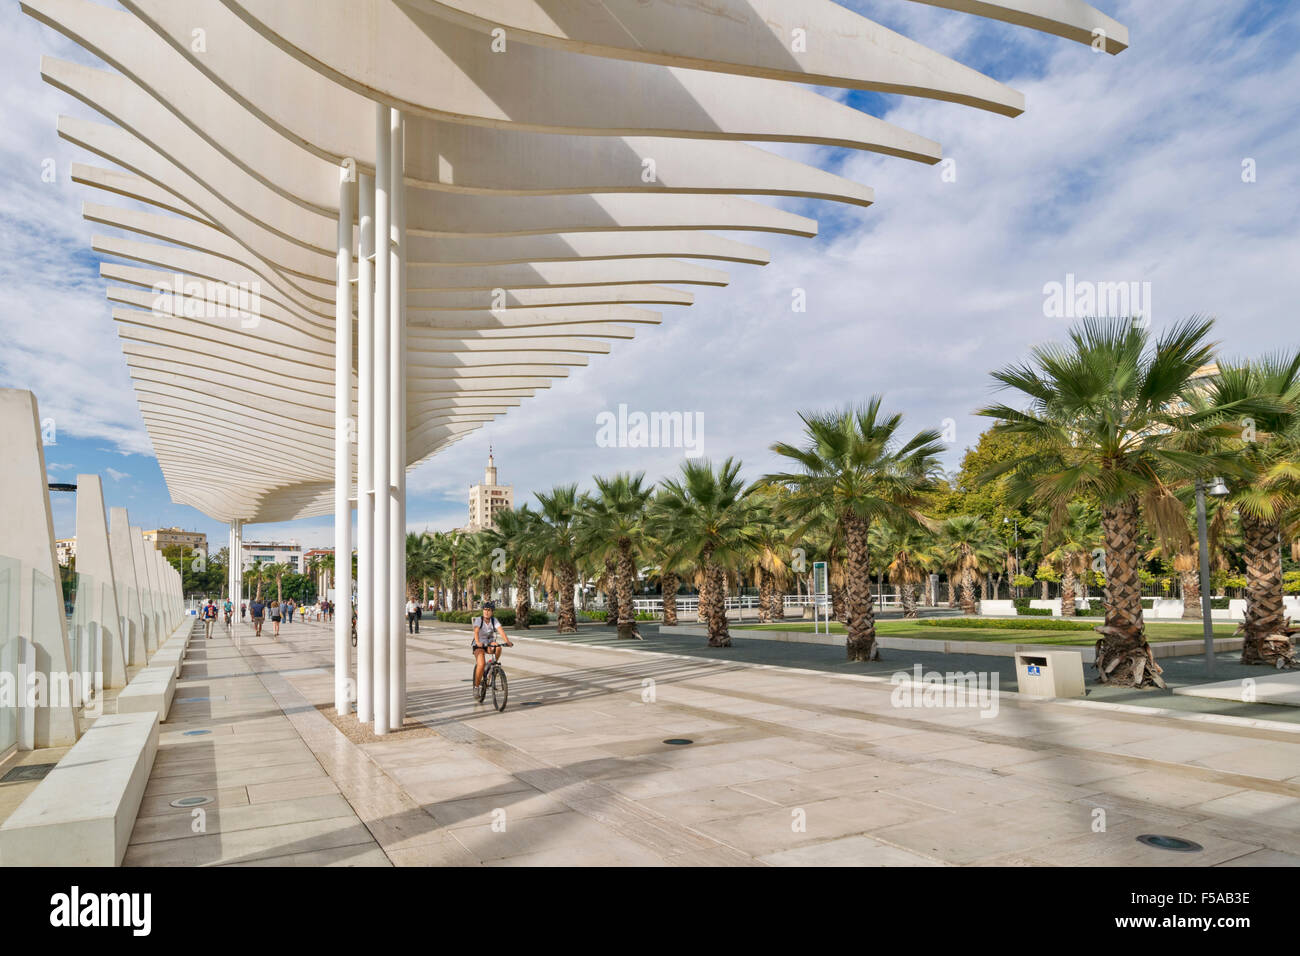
(235, 564)
(379, 432)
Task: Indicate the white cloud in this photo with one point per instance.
(1123, 167)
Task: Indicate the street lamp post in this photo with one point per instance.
(1218, 489)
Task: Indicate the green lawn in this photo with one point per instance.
(1156, 631)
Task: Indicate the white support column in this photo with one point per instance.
(383, 345)
(230, 567)
(397, 423)
(365, 447)
(343, 439)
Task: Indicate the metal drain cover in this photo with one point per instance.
(28, 772)
(184, 802)
(1161, 842)
(678, 741)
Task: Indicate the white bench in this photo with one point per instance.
(997, 608)
(151, 690)
(173, 651)
(82, 814)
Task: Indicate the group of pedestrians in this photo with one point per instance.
(267, 611)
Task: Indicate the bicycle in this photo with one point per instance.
(496, 674)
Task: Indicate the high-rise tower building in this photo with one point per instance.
(488, 498)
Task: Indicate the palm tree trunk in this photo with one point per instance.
(1123, 655)
(1068, 584)
(907, 592)
(1191, 584)
(567, 622)
(1264, 632)
(777, 612)
(627, 629)
(522, 607)
(668, 582)
(719, 635)
(861, 644)
(764, 595)
(967, 592)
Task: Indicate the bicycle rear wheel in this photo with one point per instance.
(500, 688)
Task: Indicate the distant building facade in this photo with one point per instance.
(65, 549)
(164, 539)
(272, 552)
(486, 500)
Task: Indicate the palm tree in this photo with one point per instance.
(855, 465)
(276, 573)
(1073, 543)
(614, 530)
(672, 563)
(1259, 403)
(516, 533)
(770, 565)
(711, 520)
(422, 564)
(908, 553)
(1105, 419)
(969, 548)
(557, 541)
(452, 551)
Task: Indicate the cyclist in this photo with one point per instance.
(487, 631)
(230, 610)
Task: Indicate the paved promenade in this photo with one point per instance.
(786, 767)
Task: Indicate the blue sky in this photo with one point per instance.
(1122, 168)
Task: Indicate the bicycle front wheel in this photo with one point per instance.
(500, 688)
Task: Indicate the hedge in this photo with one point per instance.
(604, 615)
(1005, 623)
(505, 615)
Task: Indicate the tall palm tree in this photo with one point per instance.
(855, 465)
(969, 548)
(908, 554)
(557, 541)
(276, 573)
(1072, 545)
(770, 564)
(452, 550)
(422, 564)
(1105, 418)
(516, 533)
(671, 562)
(1259, 403)
(711, 519)
(613, 530)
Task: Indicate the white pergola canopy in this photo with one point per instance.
(555, 191)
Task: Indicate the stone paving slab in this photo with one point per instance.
(788, 767)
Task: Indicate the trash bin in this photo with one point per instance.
(1049, 673)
